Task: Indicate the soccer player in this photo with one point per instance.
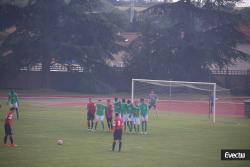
(117, 125)
(144, 115)
(136, 117)
(99, 115)
(117, 106)
(109, 115)
(13, 102)
(152, 101)
(90, 114)
(130, 108)
(124, 109)
(7, 127)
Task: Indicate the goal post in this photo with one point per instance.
(167, 87)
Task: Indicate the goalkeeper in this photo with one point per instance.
(152, 101)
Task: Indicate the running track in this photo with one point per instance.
(228, 107)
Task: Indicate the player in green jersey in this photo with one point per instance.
(136, 117)
(144, 115)
(124, 109)
(13, 102)
(117, 106)
(99, 114)
(130, 115)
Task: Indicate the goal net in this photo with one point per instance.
(179, 96)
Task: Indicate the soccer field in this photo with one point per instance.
(174, 140)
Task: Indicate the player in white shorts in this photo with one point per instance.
(136, 117)
(13, 102)
(99, 114)
(144, 110)
(124, 111)
(129, 118)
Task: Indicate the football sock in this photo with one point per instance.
(135, 128)
(102, 126)
(120, 146)
(130, 127)
(142, 127)
(108, 124)
(113, 146)
(125, 125)
(5, 140)
(138, 128)
(17, 113)
(88, 124)
(145, 126)
(111, 125)
(11, 140)
(92, 124)
(95, 125)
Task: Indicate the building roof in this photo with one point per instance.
(245, 29)
(128, 37)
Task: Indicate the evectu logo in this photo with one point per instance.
(235, 154)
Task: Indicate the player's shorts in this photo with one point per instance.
(90, 116)
(7, 129)
(99, 118)
(13, 105)
(152, 104)
(136, 121)
(130, 118)
(125, 118)
(109, 119)
(117, 134)
(144, 118)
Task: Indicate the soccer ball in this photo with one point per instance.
(60, 142)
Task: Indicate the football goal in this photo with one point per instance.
(177, 96)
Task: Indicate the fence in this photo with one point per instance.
(231, 72)
(55, 68)
(77, 68)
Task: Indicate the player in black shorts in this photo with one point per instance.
(117, 126)
(90, 114)
(7, 127)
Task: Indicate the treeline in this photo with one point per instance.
(178, 41)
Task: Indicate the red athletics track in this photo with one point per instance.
(196, 107)
(202, 107)
(226, 106)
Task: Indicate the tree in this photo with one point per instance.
(181, 41)
(245, 15)
(60, 31)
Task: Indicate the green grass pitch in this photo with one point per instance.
(174, 140)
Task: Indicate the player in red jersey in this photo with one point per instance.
(7, 126)
(117, 126)
(109, 114)
(90, 114)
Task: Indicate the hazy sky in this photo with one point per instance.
(244, 3)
